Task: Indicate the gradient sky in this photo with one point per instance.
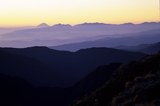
(33, 12)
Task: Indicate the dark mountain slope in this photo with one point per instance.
(28, 68)
(15, 89)
(70, 67)
(55, 96)
(94, 80)
(136, 83)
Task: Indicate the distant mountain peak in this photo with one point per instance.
(128, 24)
(62, 25)
(95, 23)
(150, 23)
(42, 25)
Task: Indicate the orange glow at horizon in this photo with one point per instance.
(33, 12)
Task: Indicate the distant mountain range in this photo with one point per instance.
(44, 66)
(130, 39)
(45, 35)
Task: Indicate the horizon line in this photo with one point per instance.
(50, 25)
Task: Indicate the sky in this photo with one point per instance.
(34, 12)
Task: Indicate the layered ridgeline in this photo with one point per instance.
(42, 66)
(135, 83)
(145, 48)
(45, 35)
(129, 39)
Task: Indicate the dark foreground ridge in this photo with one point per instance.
(18, 92)
(136, 83)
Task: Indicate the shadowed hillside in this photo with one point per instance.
(61, 68)
(28, 68)
(16, 91)
(136, 83)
